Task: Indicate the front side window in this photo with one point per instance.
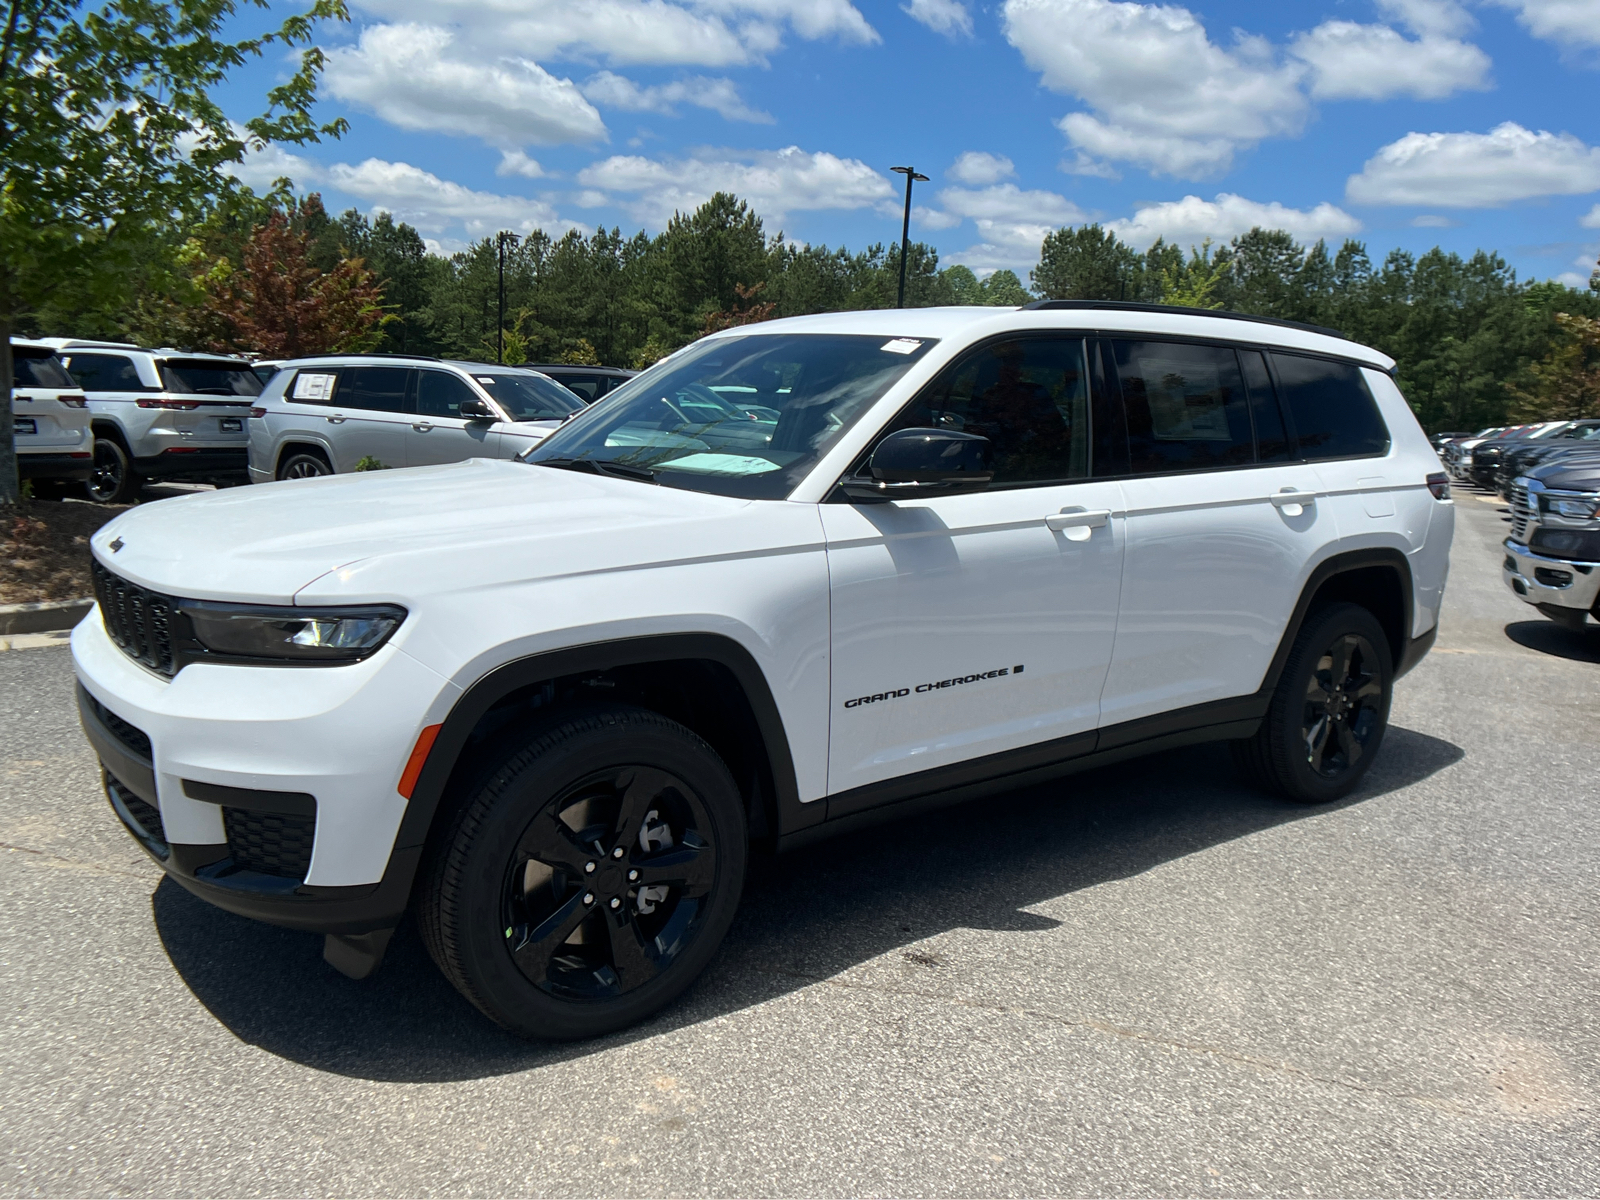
(1186, 407)
(210, 379)
(1028, 396)
(679, 424)
(529, 397)
(441, 394)
(38, 368)
(104, 372)
(1334, 414)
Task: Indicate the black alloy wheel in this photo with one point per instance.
(304, 466)
(1327, 716)
(113, 480)
(590, 877)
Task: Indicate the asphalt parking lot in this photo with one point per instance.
(1145, 980)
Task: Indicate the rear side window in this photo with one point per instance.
(1186, 407)
(104, 372)
(34, 368)
(210, 379)
(1272, 439)
(377, 389)
(1333, 413)
(1029, 397)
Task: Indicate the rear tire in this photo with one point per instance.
(114, 480)
(304, 465)
(590, 880)
(1326, 719)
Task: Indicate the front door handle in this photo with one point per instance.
(336, 420)
(422, 426)
(1081, 518)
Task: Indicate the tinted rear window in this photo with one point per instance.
(377, 389)
(210, 379)
(1186, 407)
(1333, 413)
(35, 368)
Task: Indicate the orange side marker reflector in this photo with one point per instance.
(419, 756)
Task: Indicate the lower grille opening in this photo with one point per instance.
(128, 734)
(1550, 578)
(146, 817)
(270, 843)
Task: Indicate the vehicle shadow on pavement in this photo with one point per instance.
(806, 916)
(1580, 645)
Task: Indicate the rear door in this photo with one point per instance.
(368, 417)
(1222, 520)
(438, 432)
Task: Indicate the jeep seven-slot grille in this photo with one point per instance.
(1523, 518)
(138, 620)
(271, 843)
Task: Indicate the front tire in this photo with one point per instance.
(592, 877)
(1327, 717)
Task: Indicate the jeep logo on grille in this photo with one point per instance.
(116, 544)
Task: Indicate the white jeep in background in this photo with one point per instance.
(547, 704)
(50, 418)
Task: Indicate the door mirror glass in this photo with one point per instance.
(925, 462)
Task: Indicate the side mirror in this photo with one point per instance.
(478, 410)
(924, 462)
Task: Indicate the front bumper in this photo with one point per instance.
(1539, 580)
(239, 769)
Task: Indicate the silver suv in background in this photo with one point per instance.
(160, 414)
(326, 415)
(50, 416)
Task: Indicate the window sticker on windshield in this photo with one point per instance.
(902, 346)
(721, 464)
(313, 387)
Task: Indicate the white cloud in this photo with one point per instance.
(263, 167)
(1162, 94)
(1374, 62)
(434, 205)
(1011, 222)
(1591, 219)
(1572, 279)
(1574, 24)
(1433, 221)
(979, 168)
(1476, 170)
(515, 162)
(1082, 164)
(406, 75)
(708, 33)
(1191, 220)
(774, 182)
(1429, 18)
(719, 95)
(948, 17)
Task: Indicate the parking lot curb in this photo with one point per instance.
(45, 617)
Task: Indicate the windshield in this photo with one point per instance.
(738, 416)
(38, 368)
(210, 379)
(529, 397)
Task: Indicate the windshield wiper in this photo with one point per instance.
(594, 467)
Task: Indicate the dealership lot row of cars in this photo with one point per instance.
(113, 416)
(1549, 474)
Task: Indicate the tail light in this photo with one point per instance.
(180, 405)
(258, 412)
(73, 401)
(1439, 485)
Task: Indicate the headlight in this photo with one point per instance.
(1576, 510)
(309, 635)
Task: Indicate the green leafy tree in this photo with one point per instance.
(110, 136)
(1087, 263)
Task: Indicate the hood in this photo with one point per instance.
(1582, 475)
(266, 542)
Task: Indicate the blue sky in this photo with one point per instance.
(1409, 123)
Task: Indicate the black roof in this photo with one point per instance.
(1134, 306)
(575, 367)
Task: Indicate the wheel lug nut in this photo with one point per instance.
(633, 876)
(615, 903)
(617, 853)
(588, 897)
(588, 868)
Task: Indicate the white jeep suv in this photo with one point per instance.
(160, 414)
(50, 417)
(547, 704)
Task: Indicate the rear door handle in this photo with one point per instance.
(336, 420)
(1289, 498)
(1090, 518)
(422, 426)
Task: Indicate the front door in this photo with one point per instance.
(966, 626)
(439, 433)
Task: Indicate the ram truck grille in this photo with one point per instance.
(1523, 518)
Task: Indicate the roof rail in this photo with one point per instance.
(360, 354)
(1135, 306)
(533, 366)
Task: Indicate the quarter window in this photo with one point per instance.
(1334, 414)
(1028, 396)
(1185, 405)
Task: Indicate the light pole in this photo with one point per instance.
(905, 227)
(500, 323)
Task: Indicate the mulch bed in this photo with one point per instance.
(44, 549)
